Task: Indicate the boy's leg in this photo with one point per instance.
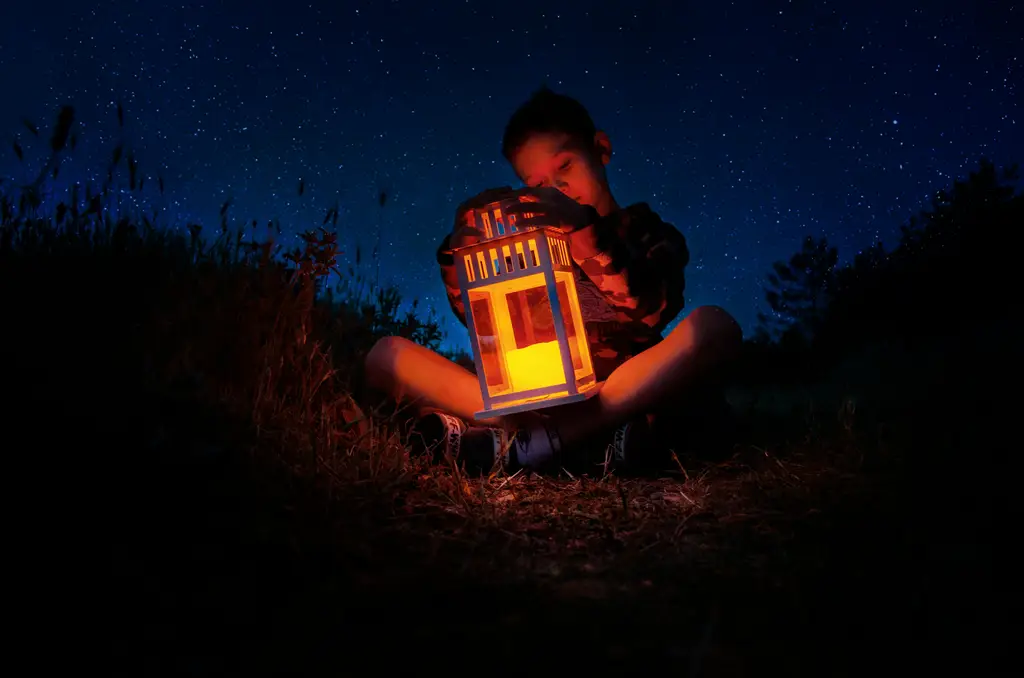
(444, 396)
(681, 364)
(692, 353)
(406, 370)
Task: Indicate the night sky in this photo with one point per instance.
(748, 125)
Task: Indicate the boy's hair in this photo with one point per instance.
(546, 112)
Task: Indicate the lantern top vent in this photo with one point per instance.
(493, 220)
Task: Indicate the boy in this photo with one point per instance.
(630, 280)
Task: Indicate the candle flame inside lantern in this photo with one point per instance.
(535, 366)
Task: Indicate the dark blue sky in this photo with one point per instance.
(746, 124)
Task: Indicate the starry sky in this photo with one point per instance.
(748, 125)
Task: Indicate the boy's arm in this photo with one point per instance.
(446, 260)
(637, 261)
(464, 233)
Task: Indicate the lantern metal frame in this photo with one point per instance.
(477, 271)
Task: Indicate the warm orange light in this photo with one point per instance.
(535, 366)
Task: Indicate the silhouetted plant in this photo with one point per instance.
(246, 326)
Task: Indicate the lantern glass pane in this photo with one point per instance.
(533, 357)
(488, 342)
(575, 332)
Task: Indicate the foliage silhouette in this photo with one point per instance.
(950, 259)
(799, 291)
(145, 288)
(951, 263)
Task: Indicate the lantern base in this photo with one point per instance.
(540, 403)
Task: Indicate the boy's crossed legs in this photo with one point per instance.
(675, 369)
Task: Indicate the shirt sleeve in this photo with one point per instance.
(637, 262)
(446, 260)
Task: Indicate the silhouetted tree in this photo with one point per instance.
(798, 292)
(951, 262)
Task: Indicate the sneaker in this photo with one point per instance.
(436, 434)
(634, 448)
(482, 448)
(447, 438)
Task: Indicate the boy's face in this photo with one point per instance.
(552, 159)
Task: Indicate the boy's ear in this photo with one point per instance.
(604, 147)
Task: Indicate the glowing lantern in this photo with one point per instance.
(523, 316)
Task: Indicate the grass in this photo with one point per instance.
(249, 567)
(202, 486)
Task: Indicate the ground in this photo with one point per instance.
(799, 557)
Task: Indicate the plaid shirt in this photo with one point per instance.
(630, 287)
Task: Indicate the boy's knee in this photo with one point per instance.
(380, 359)
(713, 326)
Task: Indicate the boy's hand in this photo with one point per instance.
(465, 231)
(551, 207)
